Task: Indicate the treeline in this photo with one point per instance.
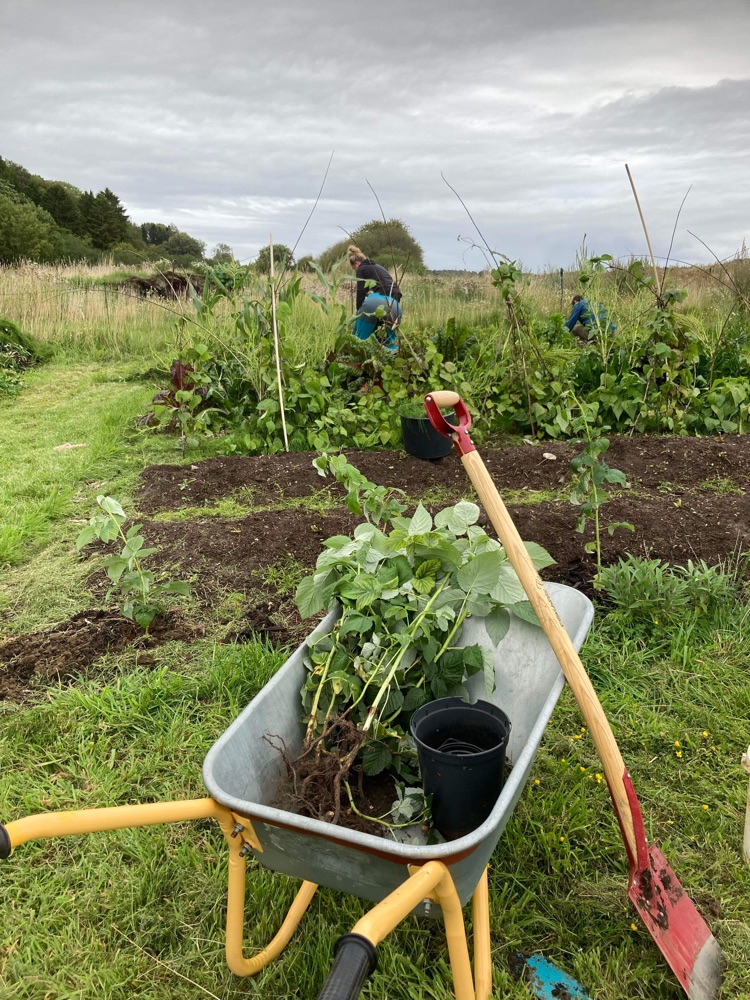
(50, 221)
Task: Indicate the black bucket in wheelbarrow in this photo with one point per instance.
(462, 758)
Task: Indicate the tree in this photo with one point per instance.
(104, 219)
(183, 249)
(26, 231)
(282, 258)
(156, 233)
(223, 254)
(62, 205)
(389, 243)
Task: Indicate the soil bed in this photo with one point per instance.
(688, 498)
(63, 652)
(648, 462)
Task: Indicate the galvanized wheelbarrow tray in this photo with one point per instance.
(242, 772)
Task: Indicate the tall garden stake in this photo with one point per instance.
(276, 347)
(669, 915)
(645, 232)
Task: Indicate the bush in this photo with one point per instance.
(650, 592)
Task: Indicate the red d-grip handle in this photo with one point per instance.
(458, 433)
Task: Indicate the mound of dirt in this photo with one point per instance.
(648, 462)
(63, 652)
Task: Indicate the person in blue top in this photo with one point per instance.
(583, 323)
(378, 300)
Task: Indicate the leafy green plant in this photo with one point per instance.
(141, 593)
(376, 503)
(650, 593)
(591, 477)
(405, 593)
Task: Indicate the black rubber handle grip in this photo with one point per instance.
(356, 958)
(5, 847)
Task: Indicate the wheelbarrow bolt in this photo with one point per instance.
(238, 828)
(245, 849)
(427, 906)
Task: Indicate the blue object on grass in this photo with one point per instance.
(548, 982)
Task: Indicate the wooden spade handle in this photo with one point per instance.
(575, 672)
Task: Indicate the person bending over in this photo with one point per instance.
(582, 322)
(378, 300)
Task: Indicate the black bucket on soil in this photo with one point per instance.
(422, 440)
(462, 758)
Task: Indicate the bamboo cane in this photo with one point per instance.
(276, 347)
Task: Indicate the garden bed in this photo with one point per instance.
(687, 498)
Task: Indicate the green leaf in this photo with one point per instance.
(116, 566)
(376, 757)
(177, 587)
(473, 659)
(489, 671)
(414, 699)
(421, 522)
(481, 573)
(309, 597)
(457, 519)
(423, 585)
(111, 506)
(539, 555)
(355, 623)
(507, 589)
(497, 623)
(363, 590)
(525, 612)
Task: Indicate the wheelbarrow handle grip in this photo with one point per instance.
(355, 960)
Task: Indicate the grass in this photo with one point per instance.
(45, 494)
(140, 913)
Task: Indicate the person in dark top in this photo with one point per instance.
(378, 300)
(582, 321)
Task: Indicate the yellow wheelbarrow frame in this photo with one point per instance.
(431, 881)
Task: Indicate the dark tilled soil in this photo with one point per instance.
(63, 652)
(688, 498)
(648, 462)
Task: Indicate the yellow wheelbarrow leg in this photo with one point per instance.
(480, 905)
(240, 965)
(78, 821)
(431, 881)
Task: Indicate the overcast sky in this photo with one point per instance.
(221, 118)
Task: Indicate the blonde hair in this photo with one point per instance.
(355, 254)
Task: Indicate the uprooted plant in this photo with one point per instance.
(404, 593)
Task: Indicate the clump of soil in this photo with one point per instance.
(61, 653)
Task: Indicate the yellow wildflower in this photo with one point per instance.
(678, 753)
(633, 927)
(705, 807)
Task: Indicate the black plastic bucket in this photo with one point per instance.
(462, 758)
(422, 440)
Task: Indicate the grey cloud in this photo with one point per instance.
(223, 120)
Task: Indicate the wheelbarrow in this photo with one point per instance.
(243, 771)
